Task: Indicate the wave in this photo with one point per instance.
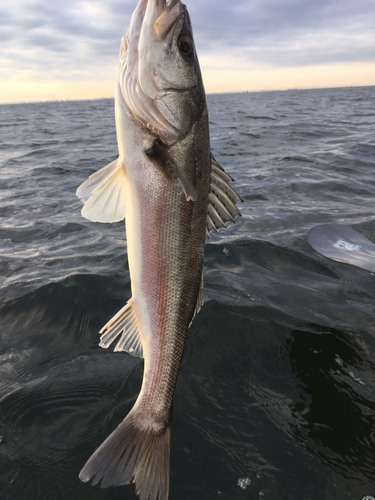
(276, 386)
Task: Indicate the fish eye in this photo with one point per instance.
(185, 46)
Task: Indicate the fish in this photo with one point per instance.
(172, 193)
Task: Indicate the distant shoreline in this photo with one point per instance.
(261, 91)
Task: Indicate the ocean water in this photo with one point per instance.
(276, 394)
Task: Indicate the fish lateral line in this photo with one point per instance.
(164, 162)
(162, 128)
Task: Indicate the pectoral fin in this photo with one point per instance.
(166, 164)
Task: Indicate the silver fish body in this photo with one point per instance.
(172, 194)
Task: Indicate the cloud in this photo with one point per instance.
(58, 39)
(288, 32)
(80, 39)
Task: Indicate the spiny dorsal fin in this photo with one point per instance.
(222, 199)
(104, 194)
(124, 322)
(218, 169)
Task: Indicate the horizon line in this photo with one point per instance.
(208, 93)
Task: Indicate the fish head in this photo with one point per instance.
(159, 75)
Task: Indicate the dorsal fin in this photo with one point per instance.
(200, 300)
(222, 199)
(123, 323)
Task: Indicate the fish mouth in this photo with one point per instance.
(150, 36)
(168, 19)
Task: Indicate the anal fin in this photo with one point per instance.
(123, 323)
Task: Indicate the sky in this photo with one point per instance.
(68, 49)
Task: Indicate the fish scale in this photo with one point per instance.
(162, 184)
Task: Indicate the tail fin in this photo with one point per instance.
(128, 454)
